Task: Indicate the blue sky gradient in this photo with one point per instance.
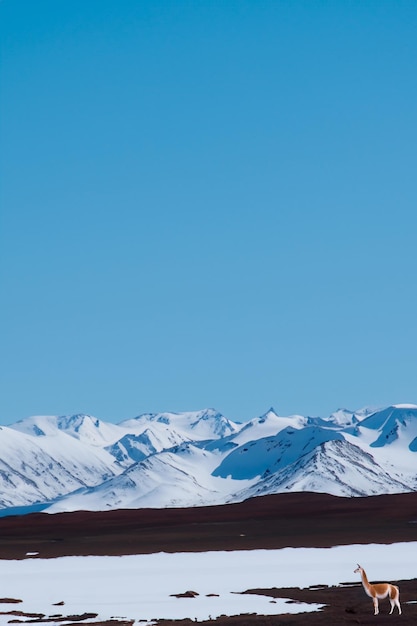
(207, 204)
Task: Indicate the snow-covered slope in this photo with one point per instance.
(34, 469)
(334, 466)
(394, 425)
(179, 477)
(273, 453)
(201, 457)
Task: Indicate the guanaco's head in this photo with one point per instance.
(358, 570)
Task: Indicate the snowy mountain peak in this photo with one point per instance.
(395, 424)
(204, 424)
(269, 413)
(37, 425)
(80, 426)
(343, 417)
(213, 423)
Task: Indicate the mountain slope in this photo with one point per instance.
(396, 423)
(34, 469)
(336, 467)
(273, 453)
(179, 477)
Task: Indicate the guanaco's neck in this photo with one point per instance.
(364, 578)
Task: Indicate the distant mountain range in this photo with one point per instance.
(199, 458)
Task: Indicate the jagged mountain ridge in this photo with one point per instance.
(201, 457)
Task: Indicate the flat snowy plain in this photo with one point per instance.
(139, 587)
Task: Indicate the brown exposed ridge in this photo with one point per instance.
(274, 521)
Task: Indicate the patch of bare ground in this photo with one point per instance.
(78, 619)
(37, 618)
(277, 521)
(10, 601)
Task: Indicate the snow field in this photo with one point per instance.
(139, 587)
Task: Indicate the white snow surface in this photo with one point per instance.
(140, 587)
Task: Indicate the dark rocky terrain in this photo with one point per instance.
(293, 520)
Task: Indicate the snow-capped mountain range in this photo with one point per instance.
(199, 458)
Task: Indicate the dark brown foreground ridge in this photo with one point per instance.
(268, 522)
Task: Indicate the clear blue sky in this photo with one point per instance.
(207, 204)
